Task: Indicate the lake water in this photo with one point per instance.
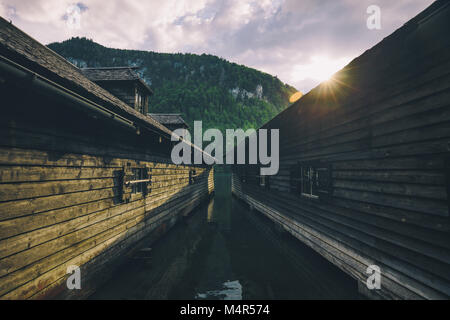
(225, 251)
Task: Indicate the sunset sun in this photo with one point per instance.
(320, 68)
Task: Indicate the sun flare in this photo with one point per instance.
(295, 97)
(321, 68)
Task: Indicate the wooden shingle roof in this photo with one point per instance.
(111, 73)
(114, 74)
(26, 51)
(169, 118)
(373, 75)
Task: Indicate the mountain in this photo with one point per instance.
(200, 87)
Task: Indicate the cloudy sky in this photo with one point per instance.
(300, 41)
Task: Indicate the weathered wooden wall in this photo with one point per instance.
(60, 203)
(125, 90)
(383, 125)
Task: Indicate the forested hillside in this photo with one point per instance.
(201, 87)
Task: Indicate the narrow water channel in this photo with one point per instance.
(225, 251)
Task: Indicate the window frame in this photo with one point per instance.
(262, 181)
(318, 183)
(136, 182)
(447, 179)
(138, 174)
(309, 182)
(192, 176)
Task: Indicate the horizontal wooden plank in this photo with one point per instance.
(413, 116)
(25, 224)
(404, 216)
(58, 274)
(333, 231)
(13, 209)
(53, 173)
(402, 189)
(58, 146)
(403, 163)
(326, 242)
(404, 202)
(19, 260)
(31, 156)
(412, 177)
(325, 212)
(351, 152)
(345, 118)
(37, 269)
(28, 240)
(356, 135)
(437, 131)
(34, 190)
(42, 173)
(28, 223)
(31, 239)
(34, 157)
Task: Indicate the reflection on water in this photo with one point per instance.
(231, 290)
(224, 251)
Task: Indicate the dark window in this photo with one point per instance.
(140, 100)
(323, 181)
(262, 181)
(141, 103)
(138, 175)
(136, 100)
(119, 176)
(191, 176)
(308, 182)
(135, 181)
(315, 180)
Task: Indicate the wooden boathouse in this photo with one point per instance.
(83, 175)
(170, 120)
(124, 83)
(364, 174)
